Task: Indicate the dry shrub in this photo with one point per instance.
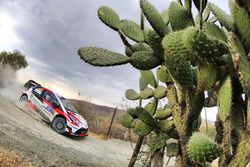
(9, 159)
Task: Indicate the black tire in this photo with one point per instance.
(59, 125)
(23, 99)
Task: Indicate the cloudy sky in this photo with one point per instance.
(49, 33)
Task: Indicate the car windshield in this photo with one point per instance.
(67, 105)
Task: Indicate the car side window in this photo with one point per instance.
(50, 97)
(37, 92)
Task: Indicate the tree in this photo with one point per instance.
(193, 56)
(16, 60)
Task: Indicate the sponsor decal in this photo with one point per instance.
(50, 109)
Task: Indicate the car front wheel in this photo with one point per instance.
(59, 125)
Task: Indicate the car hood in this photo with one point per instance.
(82, 120)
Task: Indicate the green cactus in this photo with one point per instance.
(163, 113)
(131, 94)
(149, 77)
(213, 30)
(225, 19)
(109, 17)
(152, 106)
(163, 75)
(153, 17)
(166, 126)
(102, 57)
(147, 93)
(160, 92)
(145, 116)
(131, 112)
(241, 17)
(138, 47)
(157, 141)
(207, 76)
(142, 128)
(201, 149)
(127, 121)
(225, 97)
(179, 17)
(176, 59)
(206, 48)
(143, 83)
(144, 60)
(132, 30)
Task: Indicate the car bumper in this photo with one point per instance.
(77, 131)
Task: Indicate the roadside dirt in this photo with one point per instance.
(25, 133)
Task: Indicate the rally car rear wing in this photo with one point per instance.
(31, 83)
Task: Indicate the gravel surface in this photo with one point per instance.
(25, 133)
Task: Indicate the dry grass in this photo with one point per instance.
(9, 159)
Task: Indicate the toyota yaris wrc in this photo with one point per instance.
(54, 109)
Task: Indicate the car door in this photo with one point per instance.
(49, 102)
(36, 98)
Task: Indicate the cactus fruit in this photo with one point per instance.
(154, 18)
(152, 106)
(131, 94)
(225, 19)
(147, 93)
(137, 47)
(144, 60)
(163, 113)
(109, 17)
(127, 121)
(241, 64)
(207, 76)
(142, 129)
(160, 92)
(154, 40)
(132, 30)
(241, 19)
(149, 77)
(201, 149)
(131, 112)
(207, 48)
(178, 17)
(213, 30)
(176, 59)
(144, 116)
(101, 57)
(163, 75)
(225, 97)
(166, 126)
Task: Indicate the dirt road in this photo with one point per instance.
(25, 133)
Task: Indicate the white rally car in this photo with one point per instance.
(54, 109)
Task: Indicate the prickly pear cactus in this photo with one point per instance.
(201, 149)
(210, 53)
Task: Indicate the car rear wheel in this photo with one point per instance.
(23, 99)
(59, 125)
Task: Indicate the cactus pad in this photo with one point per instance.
(131, 94)
(179, 17)
(152, 106)
(166, 125)
(176, 59)
(147, 93)
(163, 75)
(225, 96)
(157, 141)
(225, 19)
(206, 48)
(131, 112)
(172, 148)
(142, 129)
(163, 113)
(160, 92)
(145, 116)
(138, 47)
(143, 83)
(153, 17)
(132, 30)
(109, 17)
(213, 30)
(127, 121)
(149, 77)
(241, 64)
(144, 60)
(207, 76)
(102, 57)
(201, 149)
